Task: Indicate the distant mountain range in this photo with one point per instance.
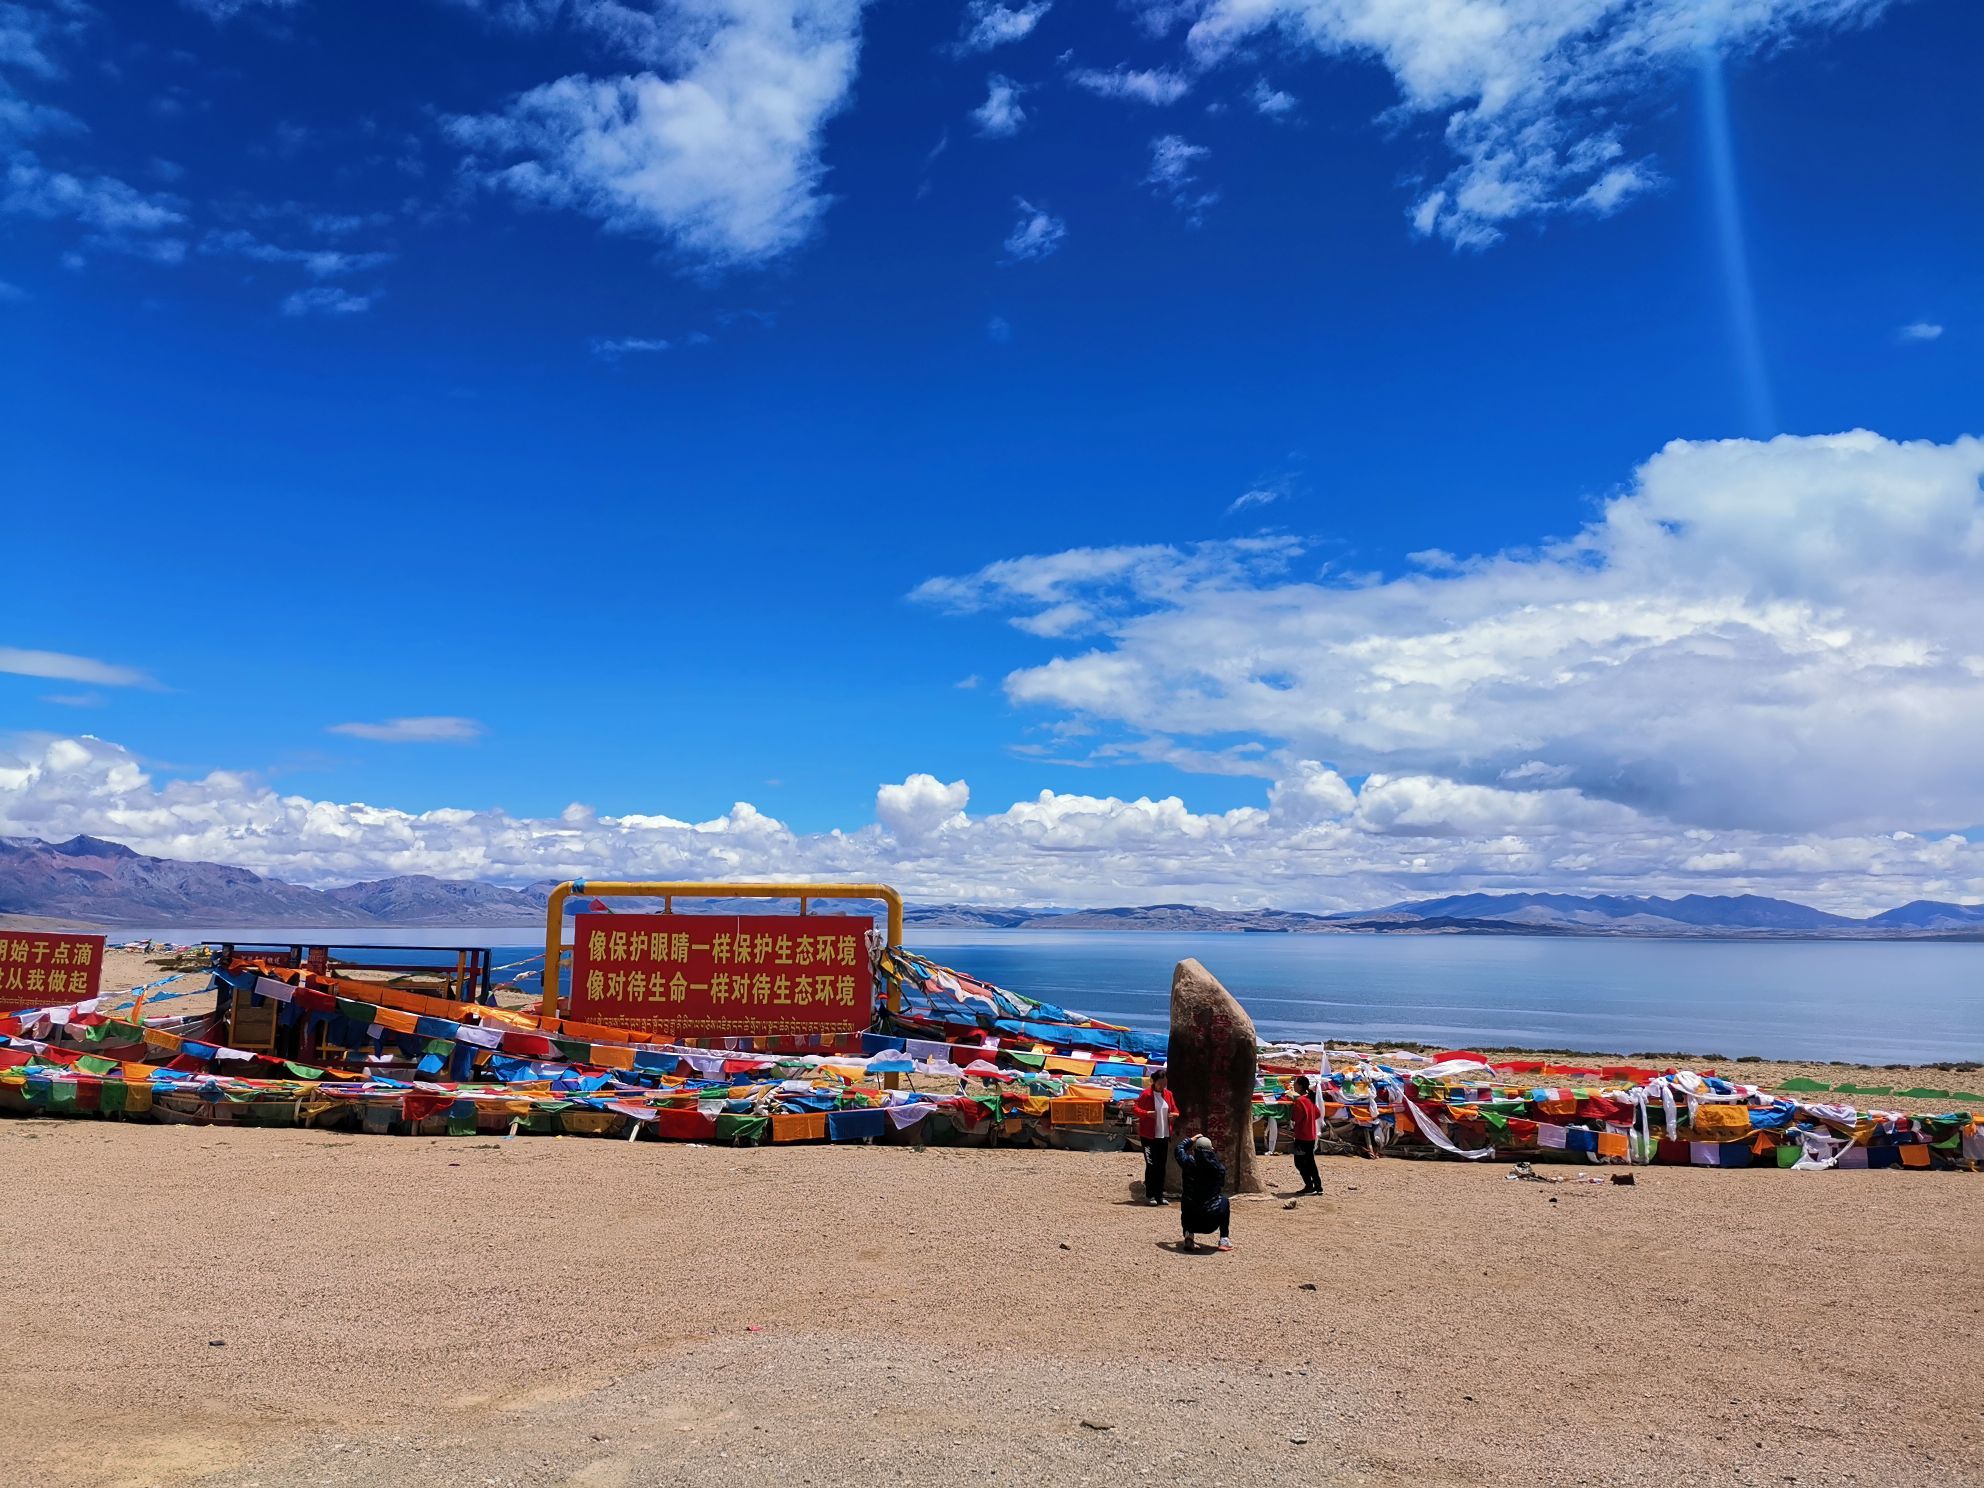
(89, 881)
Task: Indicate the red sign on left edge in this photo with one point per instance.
(39, 969)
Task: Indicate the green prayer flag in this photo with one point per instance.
(96, 1064)
(736, 1126)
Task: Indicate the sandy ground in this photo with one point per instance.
(193, 1306)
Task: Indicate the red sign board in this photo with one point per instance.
(39, 969)
(723, 976)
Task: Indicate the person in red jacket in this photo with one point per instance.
(1307, 1120)
(1157, 1113)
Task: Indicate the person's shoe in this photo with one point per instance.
(1153, 1203)
(1224, 1243)
(1187, 1243)
(1162, 1200)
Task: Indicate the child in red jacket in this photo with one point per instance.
(1157, 1113)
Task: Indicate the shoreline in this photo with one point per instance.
(124, 969)
(532, 932)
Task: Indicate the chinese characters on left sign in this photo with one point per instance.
(43, 970)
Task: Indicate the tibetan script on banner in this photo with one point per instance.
(723, 976)
(38, 969)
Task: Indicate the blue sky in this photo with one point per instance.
(615, 379)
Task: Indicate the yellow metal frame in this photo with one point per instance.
(554, 913)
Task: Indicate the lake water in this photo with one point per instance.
(1877, 1002)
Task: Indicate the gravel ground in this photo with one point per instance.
(193, 1306)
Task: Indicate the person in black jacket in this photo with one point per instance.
(1203, 1206)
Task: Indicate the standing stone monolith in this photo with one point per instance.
(1213, 1057)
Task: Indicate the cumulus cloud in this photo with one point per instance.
(988, 24)
(921, 805)
(1155, 86)
(1528, 93)
(720, 157)
(438, 730)
(1778, 636)
(1037, 233)
(1000, 115)
(1921, 330)
(1315, 843)
(60, 667)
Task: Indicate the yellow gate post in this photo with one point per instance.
(554, 913)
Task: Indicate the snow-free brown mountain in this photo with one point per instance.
(87, 880)
(104, 883)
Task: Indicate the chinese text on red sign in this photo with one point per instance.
(38, 969)
(723, 976)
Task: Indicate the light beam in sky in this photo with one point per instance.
(1736, 287)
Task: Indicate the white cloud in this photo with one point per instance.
(520, 15)
(1921, 330)
(1000, 116)
(1529, 93)
(227, 10)
(988, 24)
(1779, 636)
(11, 293)
(59, 667)
(1108, 581)
(1155, 86)
(1259, 496)
(327, 299)
(1315, 843)
(1270, 100)
(998, 329)
(612, 348)
(102, 202)
(1037, 234)
(319, 263)
(721, 158)
(1173, 175)
(442, 730)
(921, 805)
